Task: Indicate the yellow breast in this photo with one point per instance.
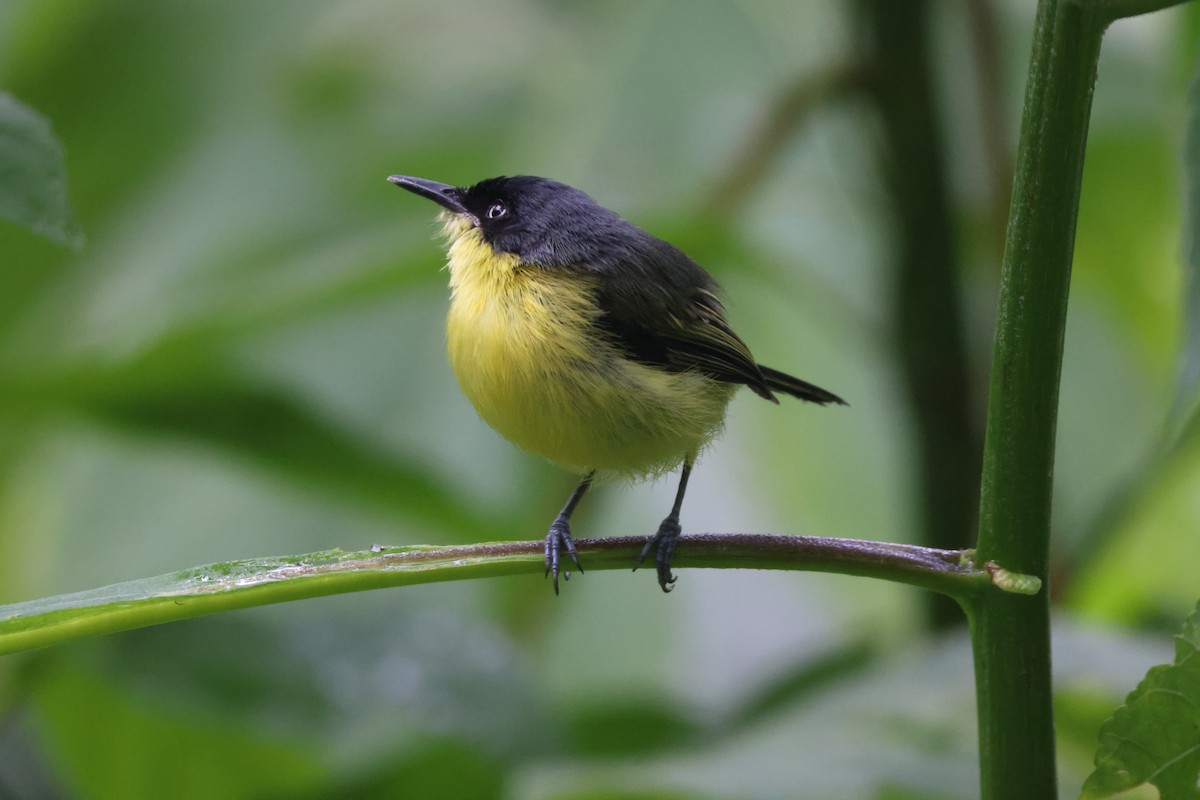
(527, 353)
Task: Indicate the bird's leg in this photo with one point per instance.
(663, 542)
(560, 532)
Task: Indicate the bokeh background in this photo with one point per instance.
(246, 358)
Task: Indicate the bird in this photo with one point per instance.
(580, 337)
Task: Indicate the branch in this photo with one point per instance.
(1112, 10)
(257, 582)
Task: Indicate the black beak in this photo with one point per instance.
(445, 195)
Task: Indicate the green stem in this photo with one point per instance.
(243, 584)
(1011, 634)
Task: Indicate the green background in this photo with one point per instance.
(246, 358)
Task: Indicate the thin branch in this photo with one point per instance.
(244, 584)
(1112, 10)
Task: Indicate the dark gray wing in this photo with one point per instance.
(662, 309)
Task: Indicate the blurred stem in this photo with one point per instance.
(788, 113)
(989, 68)
(926, 304)
(244, 584)
(1010, 634)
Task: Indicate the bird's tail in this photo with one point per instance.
(782, 382)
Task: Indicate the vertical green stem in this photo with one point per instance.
(1011, 634)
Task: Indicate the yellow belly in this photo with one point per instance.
(523, 345)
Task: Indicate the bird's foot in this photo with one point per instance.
(663, 545)
(559, 538)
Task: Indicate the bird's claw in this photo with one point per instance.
(559, 538)
(663, 544)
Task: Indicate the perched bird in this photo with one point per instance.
(582, 338)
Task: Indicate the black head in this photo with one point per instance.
(544, 222)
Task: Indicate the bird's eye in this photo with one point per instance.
(497, 210)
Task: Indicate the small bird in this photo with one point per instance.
(582, 338)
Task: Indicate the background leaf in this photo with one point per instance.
(33, 175)
(1155, 736)
(1189, 362)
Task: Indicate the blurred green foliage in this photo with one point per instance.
(246, 359)
(33, 175)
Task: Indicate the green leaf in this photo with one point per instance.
(33, 175)
(1189, 365)
(1155, 736)
(320, 683)
(135, 748)
(242, 584)
(182, 389)
(630, 727)
(445, 768)
(276, 431)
